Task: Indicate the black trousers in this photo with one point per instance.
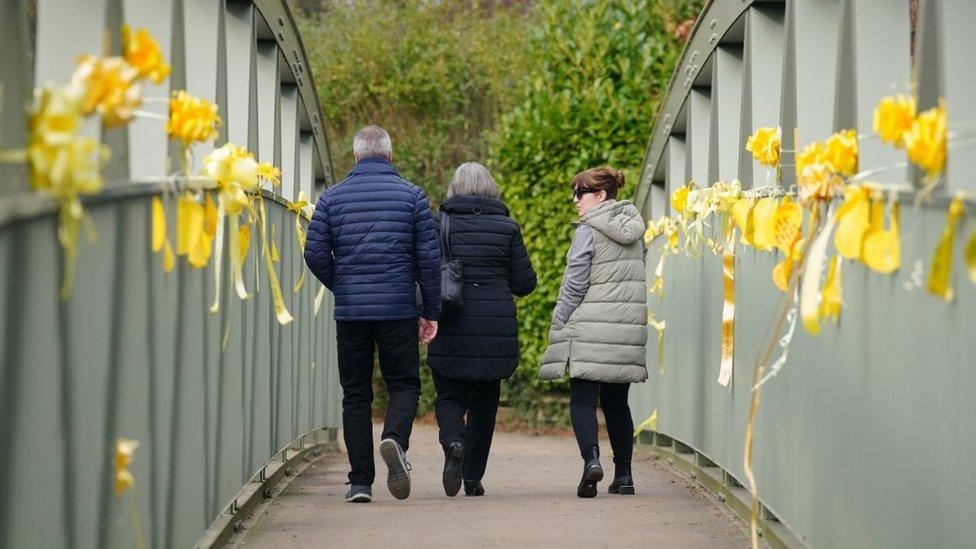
(479, 399)
(397, 341)
(584, 395)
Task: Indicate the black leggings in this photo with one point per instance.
(584, 395)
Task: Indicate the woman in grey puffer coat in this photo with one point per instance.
(599, 325)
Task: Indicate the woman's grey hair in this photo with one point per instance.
(372, 142)
(473, 179)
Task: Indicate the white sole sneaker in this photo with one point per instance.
(359, 498)
(398, 479)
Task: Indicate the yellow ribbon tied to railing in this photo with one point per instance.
(281, 312)
(300, 209)
(728, 310)
(940, 283)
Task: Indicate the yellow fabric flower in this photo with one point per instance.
(926, 141)
(818, 182)
(142, 52)
(56, 114)
(124, 448)
(244, 170)
(840, 152)
(269, 173)
(61, 162)
(765, 145)
(679, 199)
(192, 119)
(893, 116)
(231, 163)
(811, 154)
(110, 86)
(726, 193)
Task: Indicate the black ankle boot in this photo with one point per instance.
(452, 468)
(592, 474)
(623, 480)
(473, 488)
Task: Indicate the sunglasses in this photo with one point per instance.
(580, 191)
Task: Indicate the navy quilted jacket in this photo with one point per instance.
(371, 240)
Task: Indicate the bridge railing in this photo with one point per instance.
(218, 402)
(864, 438)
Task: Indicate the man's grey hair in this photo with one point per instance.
(473, 179)
(372, 142)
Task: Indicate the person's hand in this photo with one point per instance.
(428, 330)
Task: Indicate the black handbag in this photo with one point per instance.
(452, 272)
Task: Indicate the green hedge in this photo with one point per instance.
(604, 66)
(436, 75)
(537, 90)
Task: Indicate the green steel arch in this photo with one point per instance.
(865, 439)
(135, 352)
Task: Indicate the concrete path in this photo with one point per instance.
(530, 500)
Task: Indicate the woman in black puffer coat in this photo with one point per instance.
(477, 346)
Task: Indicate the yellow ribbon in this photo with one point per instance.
(218, 252)
(853, 222)
(882, 248)
(728, 310)
(742, 217)
(319, 297)
(236, 258)
(72, 215)
(971, 257)
(763, 223)
(660, 326)
(649, 424)
(810, 285)
(274, 245)
(298, 207)
(831, 300)
(160, 240)
(281, 312)
(940, 274)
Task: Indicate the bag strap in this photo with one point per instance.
(445, 235)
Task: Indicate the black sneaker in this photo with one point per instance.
(452, 468)
(398, 479)
(359, 494)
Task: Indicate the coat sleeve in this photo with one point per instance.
(576, 279)
(521, 275)
(427, 258)
(318, 244)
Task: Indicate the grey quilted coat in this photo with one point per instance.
(599, 329)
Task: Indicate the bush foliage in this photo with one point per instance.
(537, 90)
(436, 75)
(604, 66)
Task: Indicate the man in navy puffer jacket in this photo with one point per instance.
(372, 239)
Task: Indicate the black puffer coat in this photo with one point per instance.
(480, 341)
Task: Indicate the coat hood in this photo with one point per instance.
(617, 220)
(470, 204)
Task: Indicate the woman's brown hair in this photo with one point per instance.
(605, 179)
